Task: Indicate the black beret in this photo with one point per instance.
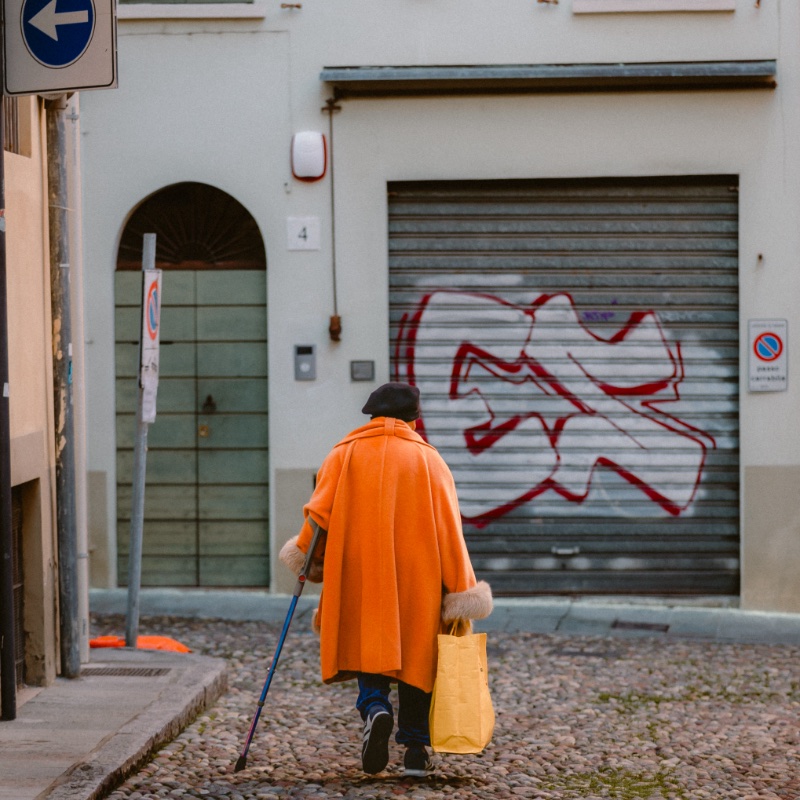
(398, 400)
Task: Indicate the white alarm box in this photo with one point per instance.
(309, 155)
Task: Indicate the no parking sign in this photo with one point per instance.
(768, 346)
(151, 320)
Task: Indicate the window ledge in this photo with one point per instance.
(644, 6)
(192, 10)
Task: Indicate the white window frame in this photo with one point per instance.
(256, 10)
(644, 6)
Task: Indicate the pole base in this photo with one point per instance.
(241, 763)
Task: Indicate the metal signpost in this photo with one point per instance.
(56, 46)
(145, 415)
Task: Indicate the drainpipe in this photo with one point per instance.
(69, 613)
(78, 368)
(8, 680)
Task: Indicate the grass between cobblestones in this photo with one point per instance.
(577, 717)
(619, 785)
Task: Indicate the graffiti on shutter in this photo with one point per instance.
(574, 400)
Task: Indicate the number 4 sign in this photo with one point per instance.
(303, 233)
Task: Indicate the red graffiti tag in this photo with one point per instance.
(569, 388)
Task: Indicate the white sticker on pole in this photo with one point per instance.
(151, 322)
(768, 345)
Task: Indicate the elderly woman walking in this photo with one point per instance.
(395, 571)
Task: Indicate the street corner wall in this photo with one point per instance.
(29, 333)
(769, 286)
(771, 548)
(30, 385)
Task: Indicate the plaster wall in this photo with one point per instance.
(414, 32)
(226, 133)
(29, 284)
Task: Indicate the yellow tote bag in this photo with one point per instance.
(461, 716)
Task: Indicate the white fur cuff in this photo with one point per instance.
(292, 556)
(474, 603)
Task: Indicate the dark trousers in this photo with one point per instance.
(414, 705)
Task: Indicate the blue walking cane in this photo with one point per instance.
(241, 762)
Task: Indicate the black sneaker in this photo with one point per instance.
(375, 750)
(417, 762)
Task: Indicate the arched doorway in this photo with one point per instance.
(206, 499)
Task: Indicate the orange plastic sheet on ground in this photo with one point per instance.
(142, 643)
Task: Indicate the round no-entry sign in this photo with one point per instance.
(57, 32)
(768, 346)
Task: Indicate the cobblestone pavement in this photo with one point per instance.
(577, 717)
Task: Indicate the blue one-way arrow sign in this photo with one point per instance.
(59, 45)
(48, 17)
(57, 32)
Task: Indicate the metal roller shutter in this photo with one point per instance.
(576, 346)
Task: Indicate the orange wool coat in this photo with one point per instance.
(394, 550)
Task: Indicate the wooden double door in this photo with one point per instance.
(206, 496)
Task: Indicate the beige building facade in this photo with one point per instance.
(31, 392)
(573, 226)
(40, 620)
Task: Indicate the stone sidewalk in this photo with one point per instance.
(76, 739)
